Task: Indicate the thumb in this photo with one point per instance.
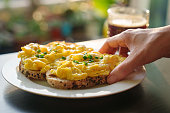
(123, 69)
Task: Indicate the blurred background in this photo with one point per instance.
(42, 21)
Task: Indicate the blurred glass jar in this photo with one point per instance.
(123, 18)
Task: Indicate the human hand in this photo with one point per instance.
(145, 45)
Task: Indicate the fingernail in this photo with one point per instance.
(111, 79)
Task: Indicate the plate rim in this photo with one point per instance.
(68, 97)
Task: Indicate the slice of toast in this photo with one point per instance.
(31, 74)
(56, 82)
(61, 83)
(75, 84)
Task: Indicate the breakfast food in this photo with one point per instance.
(66, 65)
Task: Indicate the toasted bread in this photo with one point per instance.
(31, 74)
(89, 79)
(61, 83)
(75, 84)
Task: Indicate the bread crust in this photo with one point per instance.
(61, 83)
(75, 84)
(31, 74)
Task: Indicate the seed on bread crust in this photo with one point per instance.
(31, 74)
(75, 84)
(63, 84)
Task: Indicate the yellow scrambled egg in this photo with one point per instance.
(67, 61)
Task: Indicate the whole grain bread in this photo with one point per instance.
(75, 84)
(61, 83)
(31, 74)
(36, 74)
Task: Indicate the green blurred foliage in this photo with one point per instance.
(102, 6)
(22, 27)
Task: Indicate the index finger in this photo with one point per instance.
(112, 43)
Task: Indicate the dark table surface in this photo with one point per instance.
(151, 96)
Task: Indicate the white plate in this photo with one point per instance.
(12, 75)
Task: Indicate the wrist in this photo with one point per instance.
(165, 40)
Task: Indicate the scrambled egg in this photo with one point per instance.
(67, 61)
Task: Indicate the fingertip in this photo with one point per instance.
(107, 49)
(121, 71)
(101, 50)
(111, 79)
